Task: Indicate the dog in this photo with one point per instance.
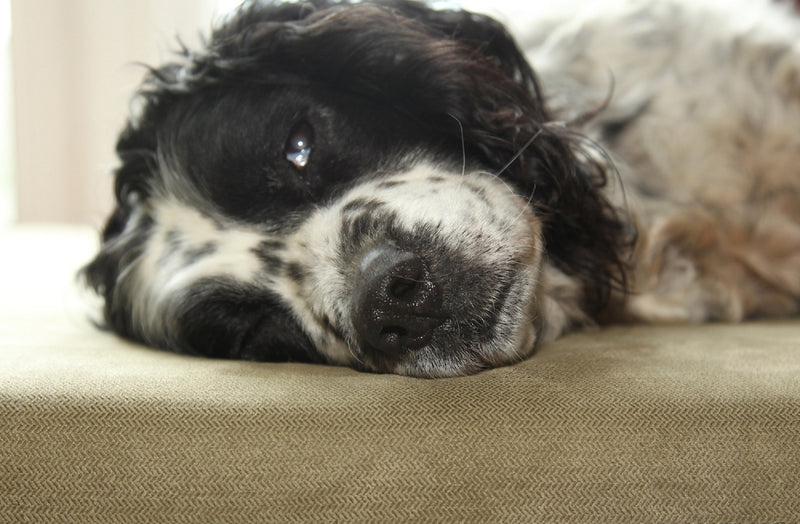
(407, 189)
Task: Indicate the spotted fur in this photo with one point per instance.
(265, 177)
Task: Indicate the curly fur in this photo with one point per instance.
(434, 142)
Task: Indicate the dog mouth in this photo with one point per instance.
(413, 317)
(443, 315)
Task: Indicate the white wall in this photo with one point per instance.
(8, 202)
(73, 76)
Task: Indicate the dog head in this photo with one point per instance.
(370, 184)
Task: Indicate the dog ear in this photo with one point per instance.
(586, 237)
(563, 173)
(127, 228)
(504, 116)
(483, 34)
(466, 67)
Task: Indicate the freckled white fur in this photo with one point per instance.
(459, 217)
(161, 275)
(162, 278)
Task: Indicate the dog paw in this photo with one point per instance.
(701, 267)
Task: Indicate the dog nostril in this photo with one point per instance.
(397, 305)
(391, 337)
(403, 288)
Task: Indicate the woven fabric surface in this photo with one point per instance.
(661, 424)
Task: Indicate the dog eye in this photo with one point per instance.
(299, 145)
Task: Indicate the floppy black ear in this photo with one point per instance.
(488, 37)
(505, 117)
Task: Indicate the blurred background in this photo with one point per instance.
(68, 69)
(67, 72)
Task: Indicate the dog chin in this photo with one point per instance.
(514, 340)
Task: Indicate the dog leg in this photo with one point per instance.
(697, 266)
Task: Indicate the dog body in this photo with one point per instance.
(702, 126)
(391, 187)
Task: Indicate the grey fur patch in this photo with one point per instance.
(192, 255)
(173, 239)
(481, 194)
(173, 245)
(266, 253)
(296, 272)
(390, 183)
(365, 205)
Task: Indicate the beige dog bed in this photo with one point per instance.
(668, 424)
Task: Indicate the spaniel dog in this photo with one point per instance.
(400, 188)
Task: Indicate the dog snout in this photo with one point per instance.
(397, 303)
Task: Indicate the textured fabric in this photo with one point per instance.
(667, 424)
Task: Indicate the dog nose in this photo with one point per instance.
(397, 304)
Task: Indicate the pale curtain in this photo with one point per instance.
(73, 74)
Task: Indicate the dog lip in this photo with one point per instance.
(425, 325)
(483, 324)
(498, 305)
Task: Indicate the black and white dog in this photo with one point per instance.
(390, 186)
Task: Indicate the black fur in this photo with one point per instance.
(399, 76)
